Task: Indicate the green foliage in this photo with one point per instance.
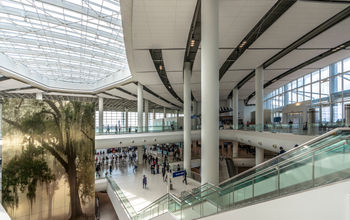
(23, 172)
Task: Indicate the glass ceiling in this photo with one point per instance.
(72, 41)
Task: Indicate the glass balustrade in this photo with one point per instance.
(321, 161)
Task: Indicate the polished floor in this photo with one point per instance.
(131, 183)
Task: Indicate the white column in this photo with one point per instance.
(235, 149)
(259, 110)
(146, 115)
(259, 99)
(139, 154)
(177, 119)
(210, 92)
(235, 108)
(164, 117)
(229, 105)
(100, 114)
(347, 116)
(259, 155)
(139, 106)
(187, 117)
(126, 120)
(39, 96)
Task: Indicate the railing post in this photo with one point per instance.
(233, 196)
(313, 169)
(278, 181)
(253, 189)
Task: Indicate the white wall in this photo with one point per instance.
(325, 203)
(117, 205)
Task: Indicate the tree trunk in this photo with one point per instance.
(75, 205)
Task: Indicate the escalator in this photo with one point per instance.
(230, 167)
(321, 161)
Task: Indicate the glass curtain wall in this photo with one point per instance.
(327, 90)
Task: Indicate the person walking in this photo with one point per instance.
(185, 178)
(144, 182)
(157, 168)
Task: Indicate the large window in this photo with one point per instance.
(327, 90)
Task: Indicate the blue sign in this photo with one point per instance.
(178, 173)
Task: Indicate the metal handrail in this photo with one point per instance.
(125, 208)
(288, 152)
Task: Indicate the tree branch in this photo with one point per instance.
(56, 155)
(54, 107)
(14, 124)
(88, 137)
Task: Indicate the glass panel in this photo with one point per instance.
(307, 79)
(266, 183)
(243, 191)
(315, 91)
(307, 92)
(325, 72)
(300, 81)
(332, 163)
(346, 64)
(315, 76)
(300, 94)
(295, 174)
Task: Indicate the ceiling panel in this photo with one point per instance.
(237, 18)
(295, 58)
(301, 18)
(12, 84)
(161, 24)
(234, 75)
(332, 37)
(121, 94)
(143, 61)
(253, 58)
(173, 60)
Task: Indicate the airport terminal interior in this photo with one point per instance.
(175, 109)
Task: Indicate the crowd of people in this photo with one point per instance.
(107, 160)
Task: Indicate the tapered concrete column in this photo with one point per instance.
(187, 116)
(139, 106)
(100, 115)
(259, 155)
(146, 115)
(259, 110)
(126, 120)
(139, 154)
(164, 112)
(235, 108)
(210, 92)
(235, 149)
(259, 99)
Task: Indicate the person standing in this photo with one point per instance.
(144, 182)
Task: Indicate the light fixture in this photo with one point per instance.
(192, 43)
(161, 67)
(297, 104)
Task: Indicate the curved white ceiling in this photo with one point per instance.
(68, 44)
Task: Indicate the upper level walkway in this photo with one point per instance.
(267, 140)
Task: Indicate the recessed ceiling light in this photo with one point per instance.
(161, 67)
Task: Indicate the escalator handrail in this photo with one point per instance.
(273, 167)
(332, 132)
